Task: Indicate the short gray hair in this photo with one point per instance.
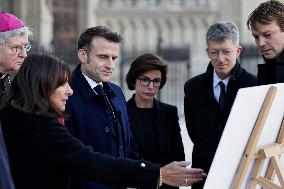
(5, 36)
(223, 30)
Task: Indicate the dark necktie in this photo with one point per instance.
(222, 95)
(100, 91)
(111, 112)
(2, 86)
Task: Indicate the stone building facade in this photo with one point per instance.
(174, 29)
(145, 24)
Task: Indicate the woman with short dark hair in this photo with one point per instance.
(154, 124)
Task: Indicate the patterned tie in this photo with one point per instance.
(100, 91)
(222, 95)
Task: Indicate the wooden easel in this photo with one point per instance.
(271, 152)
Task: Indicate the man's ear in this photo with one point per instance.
(207, 51)
(82, 55)
(239, 50)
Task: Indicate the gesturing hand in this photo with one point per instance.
(176, 174)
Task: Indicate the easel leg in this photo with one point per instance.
(258, 165)
(277, 166)
(252, 143)
(270, 174)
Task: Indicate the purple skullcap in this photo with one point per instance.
(9, 22)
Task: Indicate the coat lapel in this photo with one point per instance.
(82, 84)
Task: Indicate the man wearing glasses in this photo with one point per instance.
(210, 96)
(14, 44)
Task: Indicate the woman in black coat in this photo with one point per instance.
(154, 124)
(42, 152)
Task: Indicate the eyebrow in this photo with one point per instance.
(150, 78)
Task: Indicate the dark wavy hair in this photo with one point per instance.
(266, 12)
(36, 80)
(144, 63)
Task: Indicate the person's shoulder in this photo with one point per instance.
(195, 80)
(78, 81)
(247, 75)
(115, 89)
(244, 78)
(76, 72)
(131, 100)
(26, 119)
(113, 86)
(166, 106)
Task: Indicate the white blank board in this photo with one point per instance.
(237, 131)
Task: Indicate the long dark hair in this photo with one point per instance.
(36, 80)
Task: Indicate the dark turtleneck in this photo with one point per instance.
(271, 72)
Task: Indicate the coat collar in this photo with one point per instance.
(235, 73)
(159, 112)
(80, 82)
(273, 62)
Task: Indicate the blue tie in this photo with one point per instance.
(222, 95)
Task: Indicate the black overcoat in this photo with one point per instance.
(204, 120)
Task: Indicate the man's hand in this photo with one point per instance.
(176, 174)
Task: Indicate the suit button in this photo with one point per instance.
(107, 129)
(143, 165)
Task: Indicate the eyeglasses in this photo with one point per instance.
(214, 54)
(18, 48)
(145, 81)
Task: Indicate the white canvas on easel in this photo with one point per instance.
(237, 132)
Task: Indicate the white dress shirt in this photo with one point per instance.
(92, 83)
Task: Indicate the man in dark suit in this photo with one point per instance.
(267, 27)
(210, 96)
(14, 44)
(98, 116)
